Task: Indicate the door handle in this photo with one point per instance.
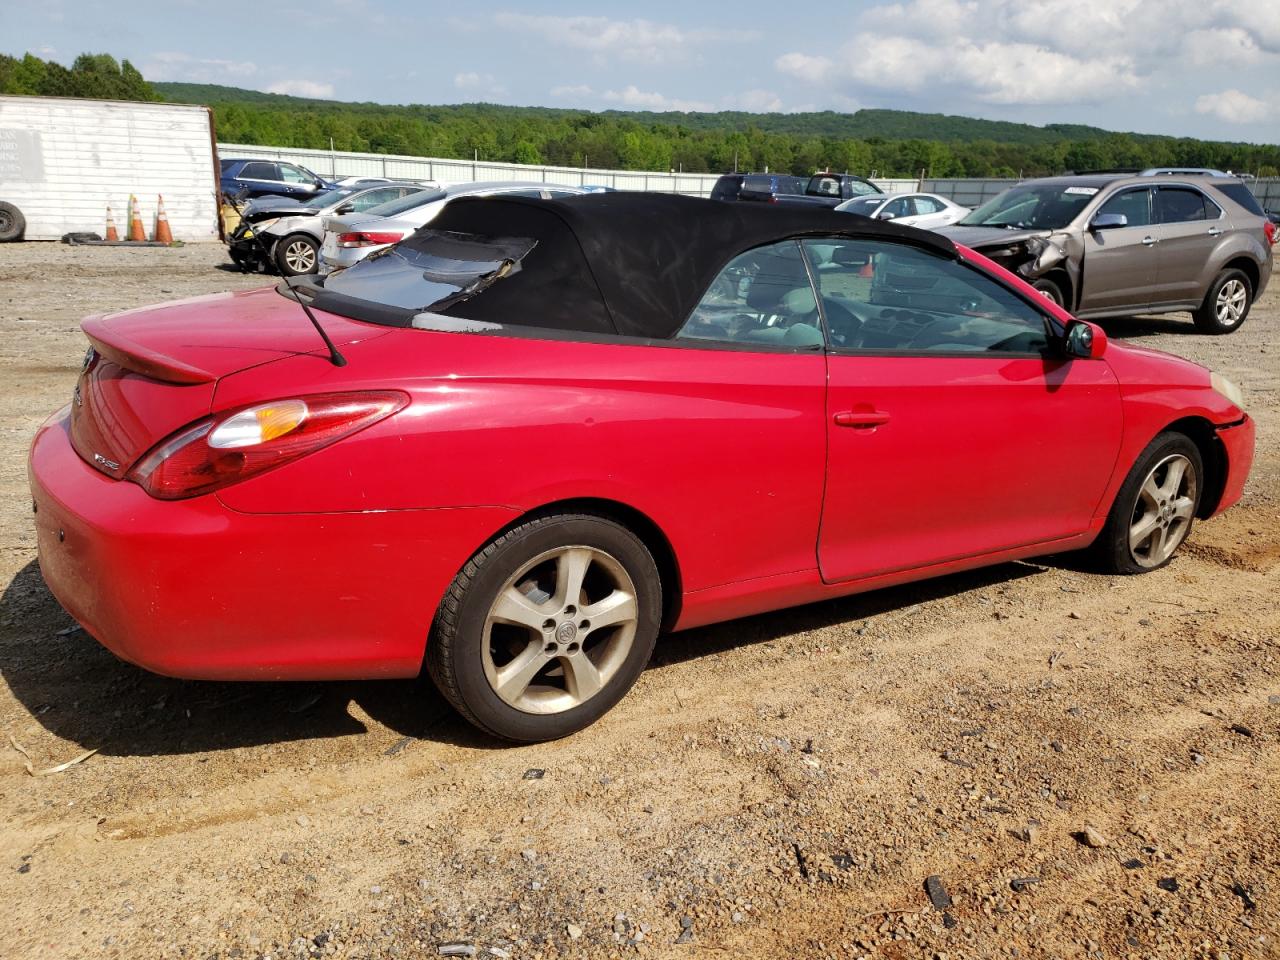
(1149, 241)
(861, 418)
(1215, 231)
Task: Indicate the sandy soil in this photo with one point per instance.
(776, 787)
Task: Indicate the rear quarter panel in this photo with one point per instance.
(724, 450)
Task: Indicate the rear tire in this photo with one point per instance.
(513, 646)
(1154, 511)
(12, 223)
(1226, 305)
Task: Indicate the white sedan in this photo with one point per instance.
(927, 210)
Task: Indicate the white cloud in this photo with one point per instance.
(482, 83)
(1038, 52)
(572, 91)
(645, 100)
(302, 88)
(1218, 45)
(755, 101)
(1233, 106)
(636, 40)
(811, 69)
(170, 65)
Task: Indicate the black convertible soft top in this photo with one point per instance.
(630, 264)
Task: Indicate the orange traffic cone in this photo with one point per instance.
(868, 269)
(112, 233)
(136, 232)
(161, 234)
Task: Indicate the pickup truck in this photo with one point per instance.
(831, 189)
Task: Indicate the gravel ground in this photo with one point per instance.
(1088, 765)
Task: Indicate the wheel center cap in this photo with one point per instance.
(566, 632)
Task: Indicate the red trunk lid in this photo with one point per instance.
(153, 370)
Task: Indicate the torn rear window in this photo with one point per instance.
(433, 270)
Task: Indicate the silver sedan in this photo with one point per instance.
(349, 239)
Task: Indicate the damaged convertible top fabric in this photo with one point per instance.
(631, 264)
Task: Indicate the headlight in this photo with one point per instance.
(261, 225)
(1227, 389)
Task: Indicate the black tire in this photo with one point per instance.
(455, 656)
(1049, 290)
(1210, 318)
(1112, 549)
(12, 223)
(294, 251)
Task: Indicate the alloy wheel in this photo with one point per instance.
(300, 256)
(559, 630)
(1162, 516)
(1230, 304)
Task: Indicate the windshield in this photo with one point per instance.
(393, 208)
(432, 271)
(328, 198)
(863, 205)
(1032, 206)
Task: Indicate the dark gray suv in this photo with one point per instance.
(1116, 244)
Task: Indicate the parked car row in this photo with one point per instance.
(355, 218)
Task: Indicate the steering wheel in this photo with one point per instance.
(842, 323)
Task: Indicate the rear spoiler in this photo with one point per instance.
(141, 359)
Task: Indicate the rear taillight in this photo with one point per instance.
(1270, 229)
(236, 445)
(368, 239)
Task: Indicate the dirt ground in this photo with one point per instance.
(778, 787)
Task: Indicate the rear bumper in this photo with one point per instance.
(1238, 442)
(194, 589)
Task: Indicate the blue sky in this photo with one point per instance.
(1206, 68)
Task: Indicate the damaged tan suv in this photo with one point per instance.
(1120, 244)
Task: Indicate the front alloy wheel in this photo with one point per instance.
(1155, 508)
(1162, 516)
(297, 255)
(547, 627)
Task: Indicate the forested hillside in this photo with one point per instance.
(884, 142)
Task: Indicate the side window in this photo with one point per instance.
(291, 174)
(259, 170)
(927, 205)
(1181, 205)
(899, 208)
(763, 297)
(375, 197)
(888, 297)
(1133, 205)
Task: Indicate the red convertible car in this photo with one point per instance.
(548, 430)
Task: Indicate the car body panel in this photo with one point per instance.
(897, 497)
(196, 588)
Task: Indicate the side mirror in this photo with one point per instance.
(345, 208)
(1085, 340)
(1109, 221)
(884, 215)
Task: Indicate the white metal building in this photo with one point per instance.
(62, 161)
